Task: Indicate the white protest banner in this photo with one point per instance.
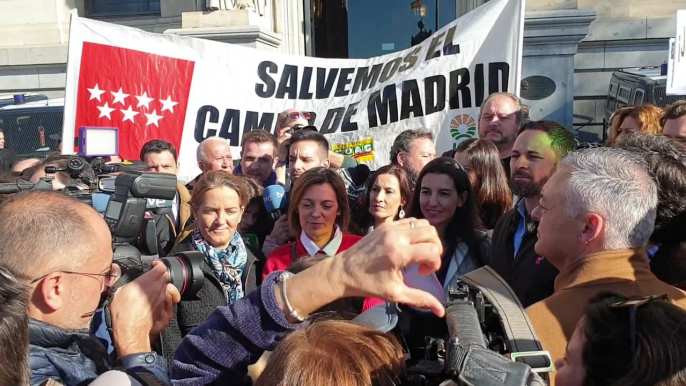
(676, 67)
(184, 90)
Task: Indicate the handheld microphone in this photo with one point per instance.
(275, 200)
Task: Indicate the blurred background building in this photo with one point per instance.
(576, 44)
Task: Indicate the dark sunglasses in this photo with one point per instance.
(632, 304)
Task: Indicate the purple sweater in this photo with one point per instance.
(220, 350)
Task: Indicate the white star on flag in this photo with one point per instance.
(153, 118)
(144, 100)
(129, 114)
(105, 110)
(95, 92)
(119, 97)
(168, 104)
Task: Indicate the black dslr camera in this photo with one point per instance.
(125, 215)
(465, 348)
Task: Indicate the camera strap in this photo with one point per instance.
(522, 339)
(107, 319)
(482, 367)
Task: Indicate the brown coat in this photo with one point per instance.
(184, 207)
(625, 272)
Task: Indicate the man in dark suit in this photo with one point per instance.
(539, 146)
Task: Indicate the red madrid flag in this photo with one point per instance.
(142, 94)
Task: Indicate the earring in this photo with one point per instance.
(401, 214)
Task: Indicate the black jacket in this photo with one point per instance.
(531, 277)
(190, 313)
(8, 158)
(75, 358)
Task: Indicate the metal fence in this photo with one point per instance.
(28, 130)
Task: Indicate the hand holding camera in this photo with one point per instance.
(141, 309)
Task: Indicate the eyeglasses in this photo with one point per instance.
(296, 115)
(108, 281)
(632, 304)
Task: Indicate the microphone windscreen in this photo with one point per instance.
(274, 198)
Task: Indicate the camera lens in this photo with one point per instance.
(185, 272)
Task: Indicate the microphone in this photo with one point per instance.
(275, 200)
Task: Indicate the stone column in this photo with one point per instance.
(551, 39)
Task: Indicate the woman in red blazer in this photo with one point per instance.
(319, 214)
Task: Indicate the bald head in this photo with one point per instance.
(44, 231)
(25, 164)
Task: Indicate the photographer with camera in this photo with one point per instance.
(289, 122)
(62, 250)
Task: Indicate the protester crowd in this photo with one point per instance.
(591, 241)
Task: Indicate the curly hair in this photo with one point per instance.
(647, 116)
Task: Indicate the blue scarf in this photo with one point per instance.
(227, 264)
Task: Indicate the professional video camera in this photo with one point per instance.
(125, 215)
(75, 168)
(473, 349)
(124, 200)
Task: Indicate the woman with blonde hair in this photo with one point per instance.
(232, 268)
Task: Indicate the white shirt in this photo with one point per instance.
(330, 249)
(175, 209)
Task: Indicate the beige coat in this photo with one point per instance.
(624, 272)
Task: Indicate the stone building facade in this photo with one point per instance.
(577, 43)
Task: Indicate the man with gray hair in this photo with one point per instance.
(412, 150)
(213, 153)
(596, 214)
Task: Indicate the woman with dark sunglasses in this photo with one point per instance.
(626, 342)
